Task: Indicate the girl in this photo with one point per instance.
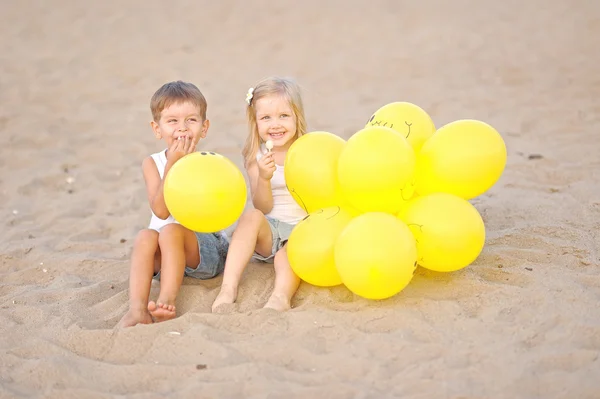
(275, 115)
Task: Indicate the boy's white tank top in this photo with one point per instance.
(156, 223)
(285, 208)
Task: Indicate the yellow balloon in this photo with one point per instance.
(449, 231)
(376, 170)
(310, 170)
(376, 255)
(311, 243)
(205, 192)
(464, 157)
(407, 119)
(350, 209)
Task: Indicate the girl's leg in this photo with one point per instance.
(179, 247)
(286, 282)
(140, 278)
(252, 234)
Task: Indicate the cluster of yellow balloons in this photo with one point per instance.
(393, 196)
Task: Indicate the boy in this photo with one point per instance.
(166, 250)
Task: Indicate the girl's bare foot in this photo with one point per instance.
(135, 316)
(227, 295)
(278, 302)
(161, 311)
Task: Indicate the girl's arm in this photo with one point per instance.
(154, 187)
(260, 188)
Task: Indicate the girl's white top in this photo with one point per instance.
(156, 223)
(285, 208)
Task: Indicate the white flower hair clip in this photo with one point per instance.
(249, 95)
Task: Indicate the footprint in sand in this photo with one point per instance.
(501, 276)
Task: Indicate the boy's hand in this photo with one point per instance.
(266, 166)
(180, 147)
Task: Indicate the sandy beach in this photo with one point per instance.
(76, 78)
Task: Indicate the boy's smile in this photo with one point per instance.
(180, 120)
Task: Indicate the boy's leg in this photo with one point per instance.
(252, 234)
(140, 278)
(286, 282)
(178, 247)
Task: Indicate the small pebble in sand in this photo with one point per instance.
(70, 180)
(15, 212)
(45, 270)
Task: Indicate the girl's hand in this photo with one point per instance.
(266, 166)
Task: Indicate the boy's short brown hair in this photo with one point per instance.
(176, 92)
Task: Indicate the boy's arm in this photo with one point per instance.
(154, 188)
(154, 184)
(262, 196)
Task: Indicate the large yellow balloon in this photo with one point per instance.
(310, 170)
(376, 255)
(464, 157)
(407, 119)
(376, 170)
(310, 246)
(205, 192)
(449, 231)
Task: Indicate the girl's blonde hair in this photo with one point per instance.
(288, 89)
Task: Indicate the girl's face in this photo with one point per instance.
(180, 119)
(275, 121)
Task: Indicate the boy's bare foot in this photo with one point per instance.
(135, 316)
(278, 302)
(227, 296)
(160, 311)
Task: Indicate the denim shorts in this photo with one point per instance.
(280, 232)
(213, 251)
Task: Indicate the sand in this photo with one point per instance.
(76, 77)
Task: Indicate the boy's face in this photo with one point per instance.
(180, 119)
(275, 121)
